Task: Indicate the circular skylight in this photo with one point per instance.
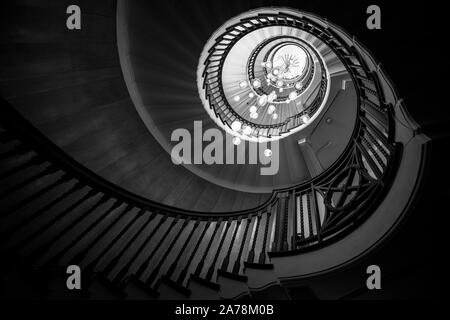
(290, 61)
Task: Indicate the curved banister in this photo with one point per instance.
(21, 127)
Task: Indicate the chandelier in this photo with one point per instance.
(261, 78)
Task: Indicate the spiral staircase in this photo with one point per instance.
(142, 228)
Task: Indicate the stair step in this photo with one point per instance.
(136, 290)
(260, 276)
(203, 289)
(170, 290)
(103, 289)
(255, 265)
(230, 288)
(232, 276)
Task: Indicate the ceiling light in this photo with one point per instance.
(272, 96)
(236, 126)
(262, 100)
(293, 95)
(256, 83)
(305, 118)
(267, 152)
(243, 84)
(236, 141)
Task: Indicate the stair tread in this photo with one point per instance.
(136, 290)
(169, 289)
(232, 288)
(103, 289)
(200, 291)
